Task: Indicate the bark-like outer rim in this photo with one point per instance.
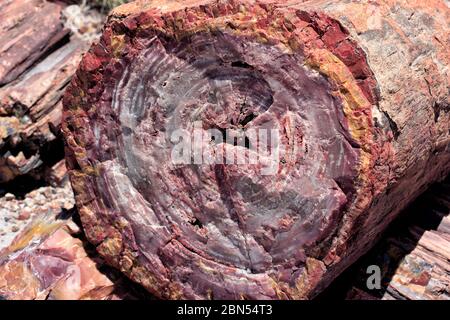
(86, 87)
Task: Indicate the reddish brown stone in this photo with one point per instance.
(24, 215)
(35, 67)
(28, 29)
(345, 79)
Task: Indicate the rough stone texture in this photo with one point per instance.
(414, 256)
(50, 259)
(46, 262)
(32, 108)
(37, 61)
(424, 273)
(15, 214)
(28, 29)
(359, 91)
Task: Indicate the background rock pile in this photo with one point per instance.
(33, 177)
(15, 213)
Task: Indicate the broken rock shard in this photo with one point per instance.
(226, 229)
(45, 262)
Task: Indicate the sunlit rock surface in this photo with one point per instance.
(215, 231)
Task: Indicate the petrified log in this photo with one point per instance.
(37, 60)
(357, 94)
(28, 29)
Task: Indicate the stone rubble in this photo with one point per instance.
(16, 213)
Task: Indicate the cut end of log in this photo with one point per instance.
(223, 229)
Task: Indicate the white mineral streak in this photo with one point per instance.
(158, 94)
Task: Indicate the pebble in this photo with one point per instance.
(9, 197)
(16, 214)
(24, 215)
